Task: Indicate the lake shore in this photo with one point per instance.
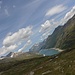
(58, 49)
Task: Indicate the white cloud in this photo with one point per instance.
(69, 14)
(48, 27)
(5, 49)
(45, 35)
(55, 10)
(45, 29)
(20, 35)
(45, 26)
(12, 41)
(25, 46)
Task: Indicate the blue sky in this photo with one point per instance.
(26, 22)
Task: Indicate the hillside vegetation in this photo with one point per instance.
(61, 64)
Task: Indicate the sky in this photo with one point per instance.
(24, 23)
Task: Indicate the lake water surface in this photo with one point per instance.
(48, 52)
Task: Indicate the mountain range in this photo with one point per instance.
(63, 37)
(32, 64)
(37, 47)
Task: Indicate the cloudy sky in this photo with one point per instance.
(26, 22)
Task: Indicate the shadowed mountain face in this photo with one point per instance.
(67, 38)
(63, 37)
(37, 47)
(52, 39)
(10, 54)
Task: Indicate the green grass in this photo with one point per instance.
(61, 64)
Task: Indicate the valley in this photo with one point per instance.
(36, 62)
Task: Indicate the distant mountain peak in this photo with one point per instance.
(13, 54)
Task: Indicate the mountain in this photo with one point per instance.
(52, 39)
(37, 47)
(10, 54)
(67, 38)
(32, 64)
(14, 54)
(61, 64)
(63, 37)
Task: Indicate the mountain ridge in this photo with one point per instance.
(61, 33)
(61, 37)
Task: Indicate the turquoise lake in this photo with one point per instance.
(48, 52)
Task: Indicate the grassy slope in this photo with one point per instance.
(62, 64)
(67, 38)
